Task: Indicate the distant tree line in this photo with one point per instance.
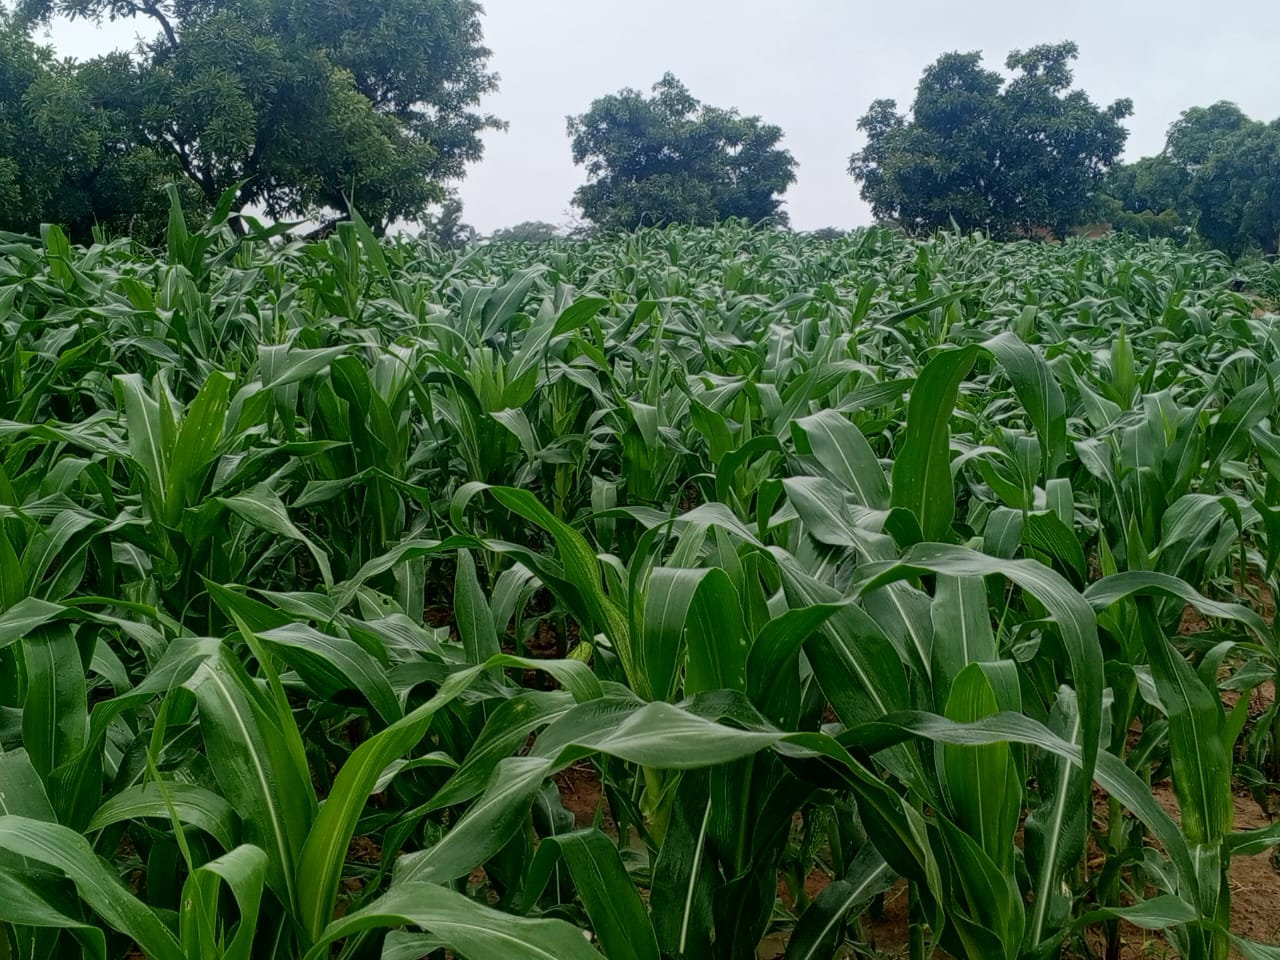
(1017, 155)
(530, 231)
(1026, 155)
(306, 109)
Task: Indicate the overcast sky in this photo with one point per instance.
(812, 67)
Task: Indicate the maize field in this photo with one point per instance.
(935, 572)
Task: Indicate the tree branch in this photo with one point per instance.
(203, 178)
(324, 229)
(152, 9)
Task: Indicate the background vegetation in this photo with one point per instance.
(1006, 157)
(305, 108)
(302, 106)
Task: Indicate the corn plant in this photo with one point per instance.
(831, 566)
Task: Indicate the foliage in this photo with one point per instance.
(1197, 133)
(305, 104)
(1147, 223)
(842, 563)
(63, 155)
(446, 228)
(1218, 171)
(1148, 198)
(1007, 156)
(1237, 191)
(530, 231)
(828, 233)
(668, 158)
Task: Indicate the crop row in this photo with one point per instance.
(836, 565)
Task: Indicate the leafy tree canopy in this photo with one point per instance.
(446, 228)
(66, 158)
(307, 102)
(1219, 171)
(1148, 198)
(829, 233)
(1152, 183)
(1236, 191)
(1011, 156)
(668, 158)
(1198, 132)
(530, 231)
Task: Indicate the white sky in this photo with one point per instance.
(812, 67)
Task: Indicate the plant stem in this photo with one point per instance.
(915, 929)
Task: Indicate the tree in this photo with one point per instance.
(828, 233)
(1219, 171)
(65, 160)
(668, 158)
(530, 231)
(1198, 132)
(1010, 156)
(309, 103)
(446, 228)
(1152, 183)
(1149, 198)
(1236, 191)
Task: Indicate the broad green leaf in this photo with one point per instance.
(486, 826)
(201, 919)
(475, 619)
(612, 902)
(581, 567)
(1156, 913)
(194, 805)
(717, 648)
(922, 470)
(26, 616)
(844, 452)
(325, 849)
(507, 730)
(142, 423)
(263, 509)
(818, 933)
(660, 641)
(196, 444)
(1107, 591)
(282, 364)
(55, 717)
(982, 785)
(1229, 435)
(330, 665)
(1039, 392)
(961, 631)
(25, 903)
(256, 767)
(1057, 825)
(683, 881)
(68, 852)
(1071, 614)
(470, 929)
